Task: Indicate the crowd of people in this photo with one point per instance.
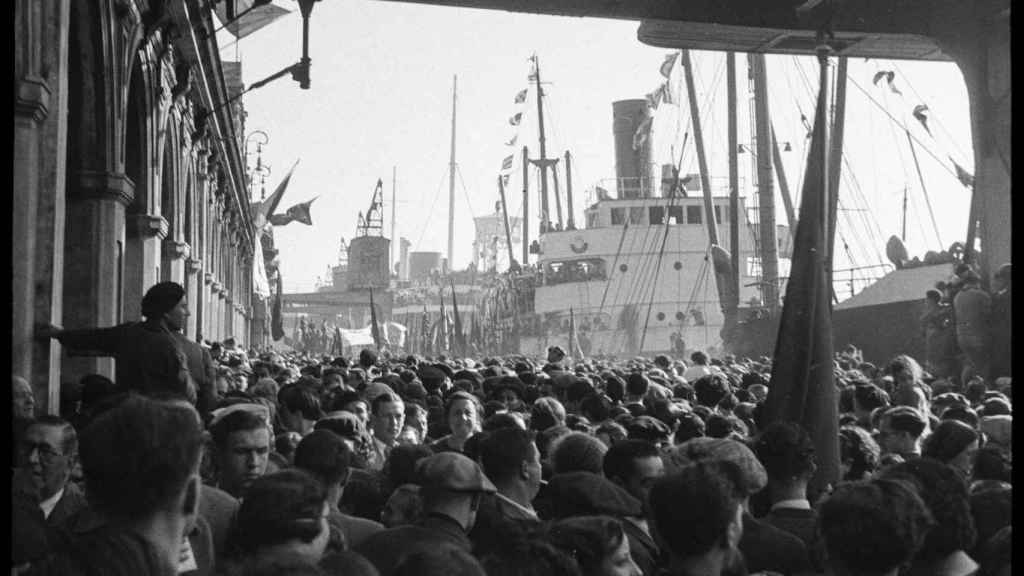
(235, 462)
(967, 328)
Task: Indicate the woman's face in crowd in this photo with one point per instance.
(510, 399)
(463, 418)
(964, 461)
(620, 562)
(359, 409)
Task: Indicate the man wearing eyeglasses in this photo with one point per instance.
(47, 454)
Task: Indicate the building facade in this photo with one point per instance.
(128, 171)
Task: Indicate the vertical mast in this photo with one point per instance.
(394, 237)
(570, 222)
(451, 184)
(765, 188)
(526, 206)
(780, 171)
(698, 141)
(543, 149)
(835, 163)
(504, 220)
(734, 182)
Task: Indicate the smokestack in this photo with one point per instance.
(634, 172)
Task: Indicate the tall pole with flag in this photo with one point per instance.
(442, 344)
(374, 328)
(276, 320)
(802, 388)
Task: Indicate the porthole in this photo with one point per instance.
(680, 316)
(678, 265)
(661, 316)
(623, 268)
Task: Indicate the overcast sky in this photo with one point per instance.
(381, 99)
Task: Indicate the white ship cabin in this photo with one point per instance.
(622, 278)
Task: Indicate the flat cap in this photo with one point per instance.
(453, 472)
(705, 449)
(587, 493)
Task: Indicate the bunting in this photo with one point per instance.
(889, 77)
(514, 120)
(921, 113)
(965, 177)
(521, 96)
(519, 103)
(458, 338)
(668, 64)
(374, 328)
(643, 132)
(506, 164)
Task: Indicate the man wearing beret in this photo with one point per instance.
(148, 357)
(452, 486)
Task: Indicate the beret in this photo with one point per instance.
(160, 298)
(705, 449)
(446, 369)
(453, 472)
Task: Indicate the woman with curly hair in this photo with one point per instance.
(944, 491)
(859, 454)
(597, 544)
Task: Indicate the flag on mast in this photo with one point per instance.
(374, 328)
(276, 320)
(442, 344)
(574, 340)
(802, 389)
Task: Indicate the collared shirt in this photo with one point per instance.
(50, 503)
(797, 503)
(528, 511)
(379, 452)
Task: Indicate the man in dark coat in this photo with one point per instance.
(148, 356)
(452, 488)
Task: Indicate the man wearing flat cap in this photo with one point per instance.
(764, 547)
(451, 486)
(149, 358)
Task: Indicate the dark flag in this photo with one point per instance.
(374, 328)
(458, 339)
(297, 213)
(575, 350)
(424, 343)
(442, 333)
(802, 388)
(276, 321)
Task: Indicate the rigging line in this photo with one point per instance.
(934, 118)
(423, 230)
(657, 272)
(458, 171)
(611, 273)
(924, 190)
(901, 125)
(877, 233)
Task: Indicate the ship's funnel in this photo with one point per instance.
(634, 171)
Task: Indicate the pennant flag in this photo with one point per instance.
(276, 318)
(297, 213)
(666, 66)
(642, 133)
(666, 94)
(889, 77)
(514, 120)
(374, 328)
(521, 96)
(802, 388)
(504, 180)
(443, 332)
(506, 164)
(243, 17)
(512, 142)
(269, 206)
(921, 113)
(965, 177)
(574, 340)
(654, 98)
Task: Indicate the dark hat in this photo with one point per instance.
(414, 391)
(511, 383)
(555, 353)
(161, 298)
(588, 494)
(453, 472)
(648, 428)
(342, 423)
(446, 369)
(471, 375)
(705, 449)
(430, 376)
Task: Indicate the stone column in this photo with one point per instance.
(207, 311)
(40, 146)
(145, 232)
(175, 254)
(94, 260)
(194, 286)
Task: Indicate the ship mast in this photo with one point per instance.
(765, 189)
(543, 162)
(732, 311)
(451, 184)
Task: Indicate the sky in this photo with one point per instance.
(380, 104)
